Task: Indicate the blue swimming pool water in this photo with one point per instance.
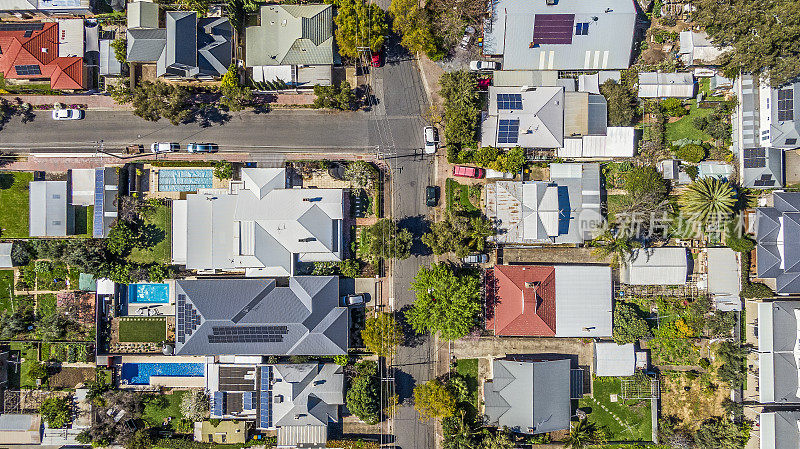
(148, 293)
(184, 179)
(139, 373)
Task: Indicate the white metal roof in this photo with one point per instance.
(583, 301)
(656, 266)
(618, 142)
(613, 360)
(664, 85)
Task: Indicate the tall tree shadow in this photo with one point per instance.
(418, 225)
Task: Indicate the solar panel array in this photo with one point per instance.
(755, 157)
(28, 69)
(99, 203)
(249, 400)
(188, 319)
(247, 334)
(553, 28)
(508, 131)
(786, 104)
(265, 414)
(218, 403)
(509, 101)
(582, 29)
(21, 26)
(765, 181)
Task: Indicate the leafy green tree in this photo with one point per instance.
(645, 184)
(140, 439)
(461, 107)
(500, 439)
(732, 356)
(691, 153)
(120, 47)
(350, 268)
(381, 334)
(621, 109)
(629, 326)
(708, 199)
(720, 433)
(361, 173)
(55, 411)
(764, 36)
(458, 432)
(459, 234)
(363, 397)
(12, 324)
(122, 238)
(359, 24)
(614, 246)
(237, 11)
(582, 434)
(434, 400)
(55, 326)
(235, 95)
(673, 107)
(195, 405)
(223, 170)
(386, 240)
(413, 25)
(446, 301)
(152, 101)
(334, 97)
(717, 124)
(341, 360)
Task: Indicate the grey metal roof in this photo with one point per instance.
(142, 14)
(777, 336)
(778, 241)
(779, 429)
(613, 360)
(583, 301)
(784, 132)
(529, 397)
(291, 35)
(5, 255)
(146, 44)
(48, 209)
(656, 266)
(214, 45)
(771, 170)
(606, 45)
(696, 49)
(723, 272)
(181, 43)
(311, 394)
(666, 85)
(20, 429)
(306, 314)
(109, 65)
(541, 118)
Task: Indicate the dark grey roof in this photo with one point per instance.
(214, 47)
(146, 44)
(766, 173)
(780, 429)
(529, 397)
(778, 241)
(181, 40)
(255, 317)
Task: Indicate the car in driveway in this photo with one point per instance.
(465, 171)
(431, 196)
(165, 147)
(431, 139)
(353, 300)
(467, 38)
(67, 114)
(377, 58)
(477, 66)
(476, 258)
(202, 147)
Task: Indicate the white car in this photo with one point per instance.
(431, 139)
(67, 114)
(476, 258)
(352, 300)
(164, 147)
(477, 66)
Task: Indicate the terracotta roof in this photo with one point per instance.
(39, 47)
(521, 300)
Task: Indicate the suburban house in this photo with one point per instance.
(561, 35)
(20, 429)
(779, 429)
(50, 212)
(26, 9)
(613, 360)
(666, 85)
(549, 301)
(696, 49)
(292, 43)
(297, 400)
(256, 316)
(765, 124)
(98, 188)
(188, 47)
(565, 209)
(52, 51)
(656, 266)
(778, 369)
(259, 225)
(777, 230)
(531, 395)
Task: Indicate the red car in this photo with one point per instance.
(468, 172)
(377, 58)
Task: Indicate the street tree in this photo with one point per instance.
(358, 25)
(235, 95)
(152, 101)
(385, 240)
(434, 400)
(447, 302)
(381, 334)
(413, 25)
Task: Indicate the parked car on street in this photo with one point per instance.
(353, 300)
(202, 147)
(67, 114)
(431, 196)
(477, 66)
(165, 147)
(431, 139)
(476, 258)
(377, 58)
(468, 172)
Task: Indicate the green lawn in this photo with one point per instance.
(18, 375)
(159, 228)
(158, 408)
(634, 416)
(28, 88)
(684, 129)
(14, 204)
(142, 330)
(84, 220)
(458, 193)
(6, 289)
(614, 205)
(705, 87)
(468, 368)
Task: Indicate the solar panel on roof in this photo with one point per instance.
(786, 104)
(508, 131)
(553, 28)
(218, 403)
(509, 101)
(28, 69)
(21, 26)
(99, 200)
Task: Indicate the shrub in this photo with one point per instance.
(621, 110)
(673, 107)
(55, 411)
(691, 153)
(742, 244)
(223, 170)
(341, 360)
(704, 363)
(629, 326)
(363, 398)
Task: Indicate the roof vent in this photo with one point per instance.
(533, 284)
(551, 2)
(277, 399)
(44, 50)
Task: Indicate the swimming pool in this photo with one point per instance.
(148, 293)
(139, 373)
(184, 179)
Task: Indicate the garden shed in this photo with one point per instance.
(613, 360)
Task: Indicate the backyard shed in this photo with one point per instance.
(613, 360)
(666, 85)
(656, 266)
(5, 255)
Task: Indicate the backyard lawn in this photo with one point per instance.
(84, 219)
(14, 204)
(142, 330)
(614, 205)
(684, 128)
(625, 421)
(468, 369)
(158, 229)
(158, 408)
(18, 374)
(456, 193)
(6, 290)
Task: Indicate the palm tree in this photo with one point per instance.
(582, 434)
(708, 199)
(614, 246)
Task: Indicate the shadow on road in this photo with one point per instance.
(410, 337)
(208, 115)
(404, 386)
(418, 225)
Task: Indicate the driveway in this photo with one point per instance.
(495, 347)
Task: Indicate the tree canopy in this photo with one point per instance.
(433, 400)
(55, 411)
(461, 107)
(195, 405)
(359, 24)
(363, 396)
(629, 326)
(381, 334)
(385, 240)
(621, 109)
(152, 101)
(446, 302)
(764, 35)
(707, 200)
(235, 95)
(413, 25)
(458, 233)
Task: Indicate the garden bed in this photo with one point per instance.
(468, 369)
(458, 195)
(690, 397)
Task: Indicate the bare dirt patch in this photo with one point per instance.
(694, 404)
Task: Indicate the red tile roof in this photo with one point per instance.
(521, 300)
(41, 49)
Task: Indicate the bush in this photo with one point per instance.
(56, 412)
(361, 174)
(673, 107)
(621, 110)
(629, 326)
(704, 363)
(691, 153)
(223, 170)
(341, 360)
(335, 97)
(742, 244)
(363, 399)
